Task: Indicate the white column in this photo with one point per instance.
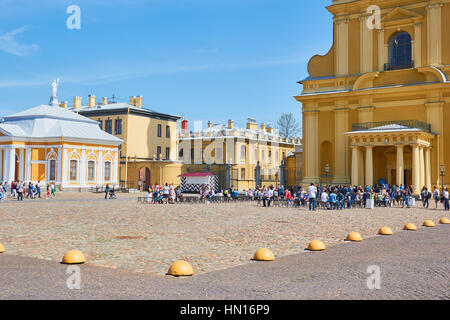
(21, 164)
(369, 166)
(416, 169)
(115, 172)
(100, 168)
(83, 168)
(10, 160)
(428, 168)
(421, 168)
(59, 166)
(1, 165)
(65, 168)
(400, 168)
(27, 164)
(355, 163)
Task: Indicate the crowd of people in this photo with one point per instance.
(163, 194)
(21, 190)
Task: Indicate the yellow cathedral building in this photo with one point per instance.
(375, 106)
(57, 146)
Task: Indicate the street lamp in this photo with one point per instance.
(327, 171)
(442, 177)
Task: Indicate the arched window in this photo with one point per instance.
(91, 170)
(107, 171)
(400, 51)
(73, 171)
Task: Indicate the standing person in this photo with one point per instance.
(446, 199)
(166, 192)
(312, 192)
(172, 193)
(20, 188)
(106, 191)
(49, 194)
(156, 193)
(53, 189)
(436, 196)
(38, 189)
(425, 194)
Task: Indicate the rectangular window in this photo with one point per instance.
(108, 126)
(73, 170)
(52, 170)
(167, 153)
(107, 171)
(100, 124)
(159, 130)
(118, 126)
(167, 132)
(242, 173)
(91, 170)
(158, 152)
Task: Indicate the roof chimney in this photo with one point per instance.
(209, 124)
(230, 124)
(263, 127)
(138, 101)
(105, 100)
(251, 124)
(133, 100)
(76, 102)
(91, 101)
(63, 104)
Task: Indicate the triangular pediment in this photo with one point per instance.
(398, 14)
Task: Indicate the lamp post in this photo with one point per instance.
(327, 171)
(442, 177)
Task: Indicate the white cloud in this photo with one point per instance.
(9, 44)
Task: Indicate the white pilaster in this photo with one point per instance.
(27, 164)
(65, 168)
(116, 168)
(83, 168)
(21, 164)
(100, 168)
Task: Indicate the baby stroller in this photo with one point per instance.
(112, 194)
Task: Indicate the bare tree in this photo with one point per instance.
(288, 126)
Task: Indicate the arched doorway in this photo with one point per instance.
(144, 177)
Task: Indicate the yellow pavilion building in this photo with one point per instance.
(375, 106)
(57, 146)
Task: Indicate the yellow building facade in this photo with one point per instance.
(375, 106)
(148, 154)
(243, 158)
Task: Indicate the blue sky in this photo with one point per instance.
(201, 59)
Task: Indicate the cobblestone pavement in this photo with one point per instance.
(122, 234)
(413, 265)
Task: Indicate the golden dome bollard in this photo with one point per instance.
(428, 223)
(316, 245)
(73, 257)
(444, 221)
(263, 254)
(410, 227)
(385, 231)
(354, 236)
(181, 268)
(2, 248)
